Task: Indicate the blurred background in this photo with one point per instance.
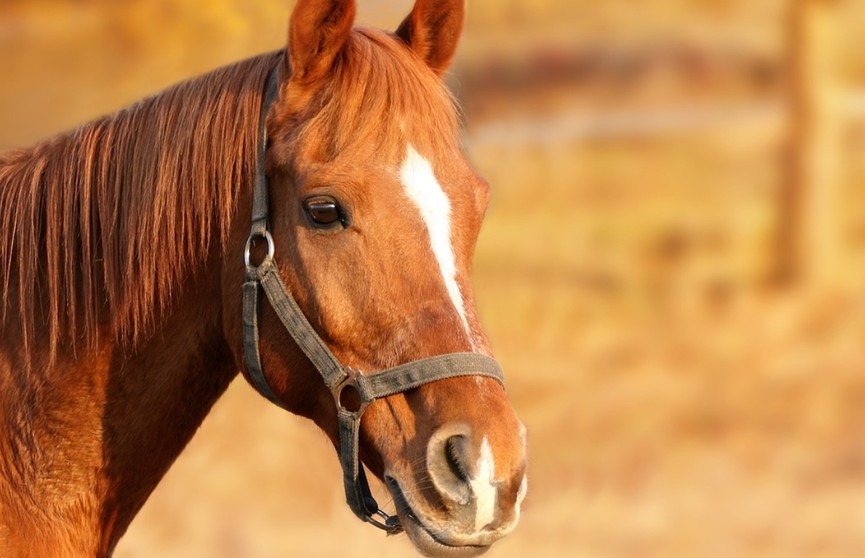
(671, 270)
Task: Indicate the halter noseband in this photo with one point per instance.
(337, 377)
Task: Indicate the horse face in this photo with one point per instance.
(375, 214)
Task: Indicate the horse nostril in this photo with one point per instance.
(448, 455)
(454, 456)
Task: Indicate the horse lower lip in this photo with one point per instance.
(408, 517)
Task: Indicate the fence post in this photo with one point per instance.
(810, 228)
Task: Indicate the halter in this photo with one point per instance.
(337, 378)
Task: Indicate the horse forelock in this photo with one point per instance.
(378, 94)
(104, 224)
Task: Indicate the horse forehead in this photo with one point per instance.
(385, 169)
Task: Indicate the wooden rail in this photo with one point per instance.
(638, 123)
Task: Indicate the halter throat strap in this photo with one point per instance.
(264, 277)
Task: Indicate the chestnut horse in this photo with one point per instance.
(123, 312)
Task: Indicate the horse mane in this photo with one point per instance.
(101, 225)
(108, 219)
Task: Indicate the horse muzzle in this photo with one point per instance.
(463, 502)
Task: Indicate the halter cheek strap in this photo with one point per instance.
(338, 378)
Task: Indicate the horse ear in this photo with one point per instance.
(433, 30)
(317, 33)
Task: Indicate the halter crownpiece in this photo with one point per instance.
(337, 377)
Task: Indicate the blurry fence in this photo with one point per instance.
(805, 106)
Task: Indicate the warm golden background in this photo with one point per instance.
(672, 269)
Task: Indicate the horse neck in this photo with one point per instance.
(88, 425)
(86, 442)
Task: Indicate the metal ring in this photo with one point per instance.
(351, 380)
(390, 525)
(271, 248)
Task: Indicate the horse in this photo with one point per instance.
(135, 286)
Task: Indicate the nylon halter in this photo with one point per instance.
(338, 378)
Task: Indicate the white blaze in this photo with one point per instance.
(484, 487)
(428, 196)
(521, 494)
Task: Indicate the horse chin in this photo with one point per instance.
(428, 545)
(423, 538)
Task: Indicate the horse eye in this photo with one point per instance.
(323, 211)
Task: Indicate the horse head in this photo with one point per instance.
(374, 214)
